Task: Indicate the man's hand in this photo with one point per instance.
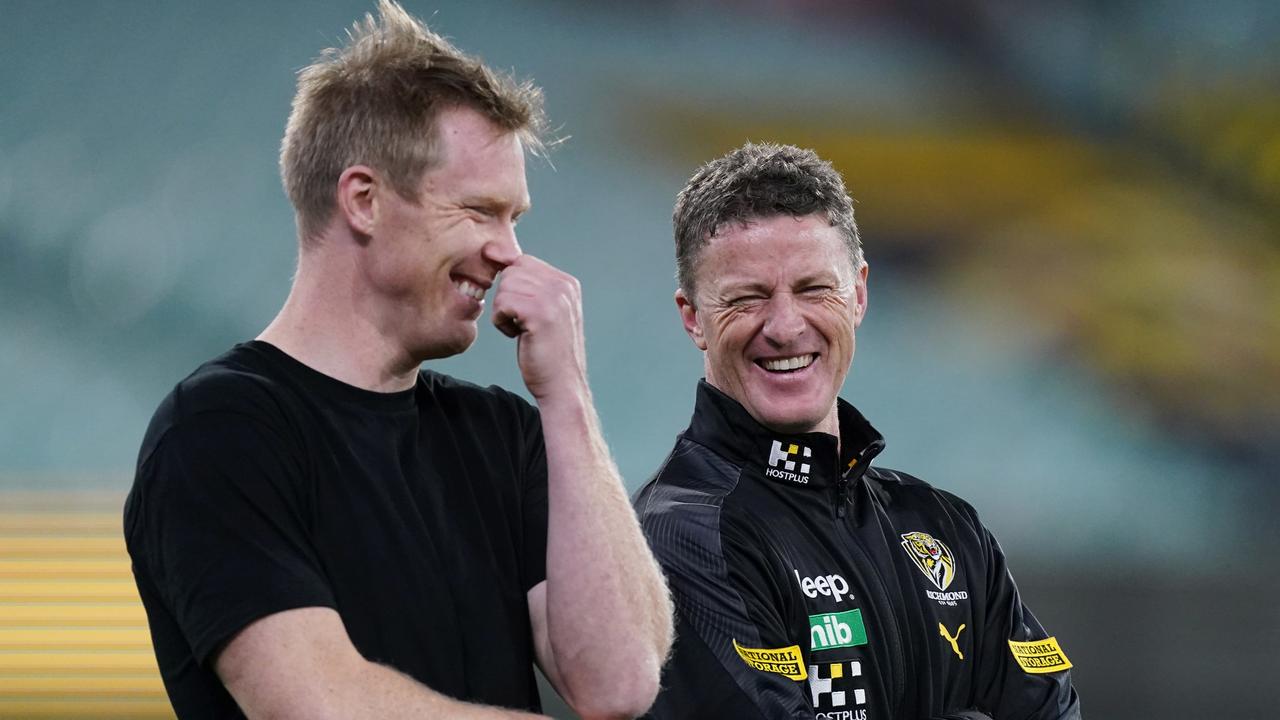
(541, 306)
(602, 619)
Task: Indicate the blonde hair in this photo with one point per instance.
(374, 101)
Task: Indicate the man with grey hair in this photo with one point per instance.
(808, 583)
(322, 529)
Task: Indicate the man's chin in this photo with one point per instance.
(439, 348)
(788, 421)
(790, 411)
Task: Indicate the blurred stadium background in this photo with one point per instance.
(1071, 210)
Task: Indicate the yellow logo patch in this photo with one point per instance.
(953, 639)
(781, 661)
(931, 556)
(1041, 656)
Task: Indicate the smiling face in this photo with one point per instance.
(778, 300)
(427, 264)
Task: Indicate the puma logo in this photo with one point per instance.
(942, 630)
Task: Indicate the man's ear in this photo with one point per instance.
(689, 316)
(357, 195)
(860, 295)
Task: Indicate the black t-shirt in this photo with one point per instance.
(420, 516)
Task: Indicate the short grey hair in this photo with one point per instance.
(758, 181)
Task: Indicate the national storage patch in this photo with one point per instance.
(1041, 656)
(781, 661)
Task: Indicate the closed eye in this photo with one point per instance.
(493, 213)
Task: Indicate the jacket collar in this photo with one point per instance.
(806, 459)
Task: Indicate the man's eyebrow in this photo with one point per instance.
(491, 201)
(732, 286)
(821, 277)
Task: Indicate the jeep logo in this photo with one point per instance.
(829, 585)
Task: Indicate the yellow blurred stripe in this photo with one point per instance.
(75, 638)
(38, 709)
(68, 591)
(81, 546)
(72, 615)
(73, 634)
(923, 180)
(55, 523)
(70, 569)
(68, 686)
(136, 662)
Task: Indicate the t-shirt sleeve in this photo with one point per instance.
(533, 508)
(1025, 671)
(733, 655)
(219, 528)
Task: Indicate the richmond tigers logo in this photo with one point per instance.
(932, 557)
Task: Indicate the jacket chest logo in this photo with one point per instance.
(953, 639)
(931, 556)
(934, 559)
(836, 692)
(833, 586)
(788, 462)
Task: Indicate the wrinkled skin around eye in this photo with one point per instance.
(778, 302)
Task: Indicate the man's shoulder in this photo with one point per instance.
(443, 385)
(698, 499)
(691, 477)
(237, 383)
(461, 399)
(909, 491)
(241, 379)
(689, 510)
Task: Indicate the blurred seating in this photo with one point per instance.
(73, 635)
(1168, 294)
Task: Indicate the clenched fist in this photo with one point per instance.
(541, 307)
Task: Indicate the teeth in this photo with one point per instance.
(472, 291)
(791, 363)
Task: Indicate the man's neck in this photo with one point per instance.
(830, 425)
(326, 327)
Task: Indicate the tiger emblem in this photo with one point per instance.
(932, 556)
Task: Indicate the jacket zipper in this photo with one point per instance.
(882, 596)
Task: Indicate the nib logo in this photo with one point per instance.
(837, 630)
(783, 467)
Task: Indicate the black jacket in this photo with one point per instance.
(809, 584)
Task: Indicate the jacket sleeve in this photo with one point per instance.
(1024, 671)
(733, 655)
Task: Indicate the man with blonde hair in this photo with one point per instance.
(322, 529)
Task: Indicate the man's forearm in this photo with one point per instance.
(372, 691)
(387, 693)
(301, 664)
(608, 611)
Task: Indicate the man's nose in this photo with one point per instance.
(784, 323)
(502, 249)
